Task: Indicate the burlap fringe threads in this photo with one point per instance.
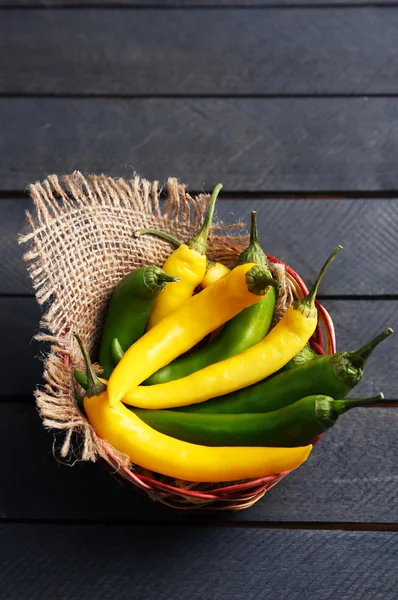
(81, 244)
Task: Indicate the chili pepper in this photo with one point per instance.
(283, 342)
(81, 378)
(188, 262)
(214, 272)
(295, 425)
(243, 331)
(117, 351)
(304, 356)
(163, 454)
(187, 325)
(129, 309)
(334, 375)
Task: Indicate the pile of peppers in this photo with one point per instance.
(197, 385)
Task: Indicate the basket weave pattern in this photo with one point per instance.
(81, 245)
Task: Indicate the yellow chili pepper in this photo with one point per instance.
(186, 326)
(283, 342)
(168, 456)
(188, 262)
(182, 460)
(214, 272)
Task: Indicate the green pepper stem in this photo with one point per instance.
(342, 406)
(312, 295)
(366, 350)
(307, 305)
(258, 281)
(253, 253)
(164, 278)
(155, 279)
(253, 229)
(199, 241)
(94, 386)
(161, 234)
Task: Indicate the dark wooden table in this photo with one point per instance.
(294, 107)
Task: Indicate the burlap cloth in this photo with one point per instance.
(81, 243)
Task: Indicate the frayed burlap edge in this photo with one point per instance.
(81, 243)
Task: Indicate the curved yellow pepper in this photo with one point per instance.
(191, 267)
(182, 460)
(214, 272)
(188, 262)
(186, 326)
(283, 342)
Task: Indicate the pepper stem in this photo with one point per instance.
(253, 253)
(258, 280)
(164, 278)
(155, 279)
(161, 234)
(366, 350)
(199, 241)
(94, 386)
(342, 406)
(307, 305)
(253, 229)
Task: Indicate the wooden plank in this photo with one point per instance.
(39, 486)
(350, 477)
(356, 322)
(186, 4)
(178, 562)
(228, 52)
(13, 274)
(298, 231)
(270, 144)
(19, 354)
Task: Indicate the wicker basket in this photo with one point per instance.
(187, 496)
(81, 239)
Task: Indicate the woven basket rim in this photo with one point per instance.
(233, 496)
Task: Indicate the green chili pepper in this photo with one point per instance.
(81, 378)
(295, 425)
(304, 356)
(243, 331)
(334, 375)
(129, 309)
(116, 351)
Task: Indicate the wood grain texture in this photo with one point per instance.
(356, 322)
(217, 52)
(301, 232)
(174, 562)
(19, 353)
(350, 477)
(283, 144)
(13, 274)
(186, 4)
